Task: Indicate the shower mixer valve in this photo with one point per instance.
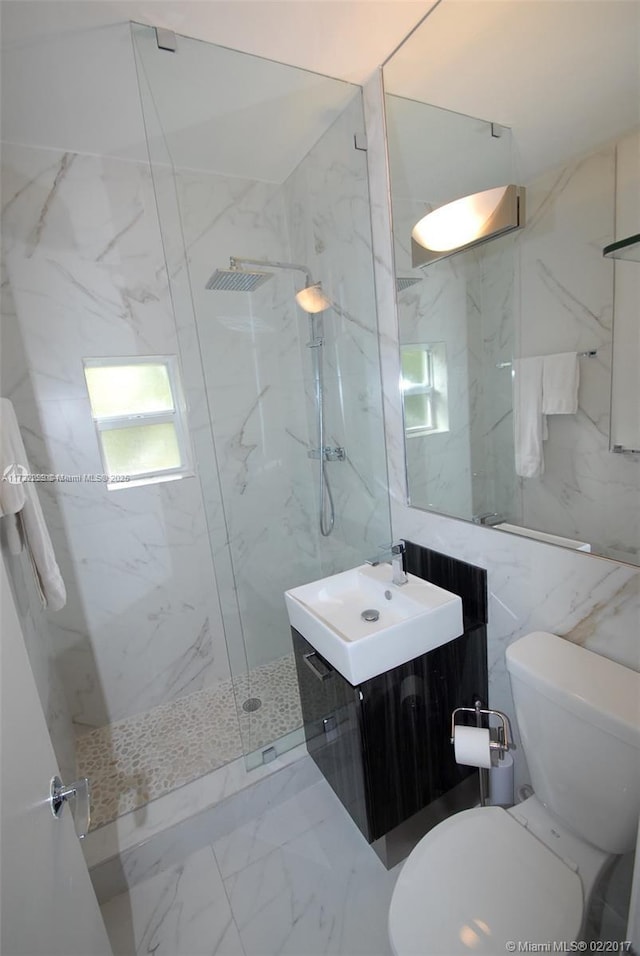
(328, 453)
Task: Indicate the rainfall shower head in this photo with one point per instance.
(405, 282)
(311, 297)
(235, 279)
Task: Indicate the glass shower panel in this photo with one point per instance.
(256, 160)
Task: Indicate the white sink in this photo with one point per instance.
(413, 618)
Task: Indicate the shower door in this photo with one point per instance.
(252, 159)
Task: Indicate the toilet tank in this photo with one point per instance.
(579, 719)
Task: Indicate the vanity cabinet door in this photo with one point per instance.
(332, 726)
(406, 719)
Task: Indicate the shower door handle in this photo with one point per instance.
(79, 795)
(318, 667)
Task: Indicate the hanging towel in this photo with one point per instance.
(12, 493)
(560, 380)
(19, 500)
(529, 422)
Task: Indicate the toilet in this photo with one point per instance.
(487, 878)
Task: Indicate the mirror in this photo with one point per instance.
(520, 353)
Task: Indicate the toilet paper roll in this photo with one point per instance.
(471, 745)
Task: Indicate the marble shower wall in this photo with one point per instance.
(86, 271)
(328, 215)
(258, 377)
(250, 346)
(532, 586)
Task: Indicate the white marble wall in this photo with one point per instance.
(566, 304)
(255, 398)
(491, 323)
(593, 601)
(86, 270)
(327, 202)
(259, 382)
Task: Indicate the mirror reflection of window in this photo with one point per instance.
(424, 389)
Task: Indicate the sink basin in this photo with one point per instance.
(412, 619)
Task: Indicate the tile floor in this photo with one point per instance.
(146, 756)
(297, 878)
(277, 869)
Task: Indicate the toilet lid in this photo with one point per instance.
(477, 881)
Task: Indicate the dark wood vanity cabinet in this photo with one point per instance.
(384, 746)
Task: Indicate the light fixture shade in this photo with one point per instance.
(467, 222)
(312, 298)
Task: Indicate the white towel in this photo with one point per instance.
(529, 422)
(560, 380)
(21, 499)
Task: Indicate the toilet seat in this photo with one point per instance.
(478, 880)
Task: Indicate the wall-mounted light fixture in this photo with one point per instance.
(467, 222)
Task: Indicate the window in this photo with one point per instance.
(139, 413)
(424, 389)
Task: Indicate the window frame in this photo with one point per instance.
(434, 390)
(177, 416)
(426, 389)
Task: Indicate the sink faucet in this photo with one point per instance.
(397, 553)
(393, 554)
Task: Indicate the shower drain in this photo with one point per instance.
(251, 704)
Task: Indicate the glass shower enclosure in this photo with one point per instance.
(261, 191)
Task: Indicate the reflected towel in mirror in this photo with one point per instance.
(529, 422)
(560, 380)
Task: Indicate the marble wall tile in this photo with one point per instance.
(567, 296)
(329, 223)
(259, 382)
(86, 270)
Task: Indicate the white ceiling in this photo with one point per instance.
(347, 39)
(563, 74)
(69, 78)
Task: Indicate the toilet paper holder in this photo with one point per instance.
(503, 742)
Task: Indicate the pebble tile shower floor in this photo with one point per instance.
(144, 757)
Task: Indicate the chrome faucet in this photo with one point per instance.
(395, 555)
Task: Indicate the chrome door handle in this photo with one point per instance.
(79, 793)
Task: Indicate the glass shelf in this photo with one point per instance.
(628, 248)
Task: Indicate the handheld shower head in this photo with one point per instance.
(313, 299)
